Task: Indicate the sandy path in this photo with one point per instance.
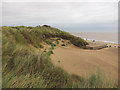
(79, 61)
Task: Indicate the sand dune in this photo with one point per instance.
(80, 61)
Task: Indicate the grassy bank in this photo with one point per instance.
(26, 62)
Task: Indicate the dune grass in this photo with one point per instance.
(31, 67)
(35, 35)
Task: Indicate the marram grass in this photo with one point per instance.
(24, 67)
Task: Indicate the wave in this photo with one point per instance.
(102, 41)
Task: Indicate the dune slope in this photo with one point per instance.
(80, 61)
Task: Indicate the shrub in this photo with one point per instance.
(68, 43)
(50, 52)
(45, 50)
(46, 25)
(63, 41)
(59, 61)
(57, 41)
(48, 42)
(41, 46)
(53, 45)
(29, 27)
(36, 46)
(63, 44)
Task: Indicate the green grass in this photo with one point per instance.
(23, 67)
(63, 41)
(96, 80)
(68, 43)
(50, 52)
(57, 42)
(41, 46)
(35, 35)
(53, 45)
(48, 42)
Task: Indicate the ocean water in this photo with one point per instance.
(110, 37)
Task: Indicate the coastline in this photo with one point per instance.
(108, 43)
(107, 37)
(101, 41)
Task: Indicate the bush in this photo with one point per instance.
(48, 42)
(57, 41)
(36, 46)
(68, 43)
(63, 44)
(29, 27)
(50, 52)
(41, 46)
(53, 45)
(63, 41)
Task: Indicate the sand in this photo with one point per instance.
(83, 62)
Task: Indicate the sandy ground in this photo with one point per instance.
(83, 62)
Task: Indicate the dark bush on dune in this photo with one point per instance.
(46, 25)
(63, 44)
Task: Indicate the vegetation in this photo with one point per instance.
(48, 42)
(57, 42)
(68, 43)
(26, 65)
(63, 41)
(0, 58)
(41, 46)
(63, 44)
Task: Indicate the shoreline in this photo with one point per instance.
(109, 37)
(101, 41)
(109, 44)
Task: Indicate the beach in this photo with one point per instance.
(84, 62)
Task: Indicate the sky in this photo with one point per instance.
(67, 15)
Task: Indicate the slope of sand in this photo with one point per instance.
(80, 61)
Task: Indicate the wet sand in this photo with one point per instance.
(80, 61)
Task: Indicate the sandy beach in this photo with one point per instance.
(82, 61)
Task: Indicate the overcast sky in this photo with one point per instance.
(67, 16)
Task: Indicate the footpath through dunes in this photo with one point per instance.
(80, 61)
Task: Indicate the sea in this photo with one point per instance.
(110, 37)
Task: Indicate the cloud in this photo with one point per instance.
(60, 0)
(62, 13)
